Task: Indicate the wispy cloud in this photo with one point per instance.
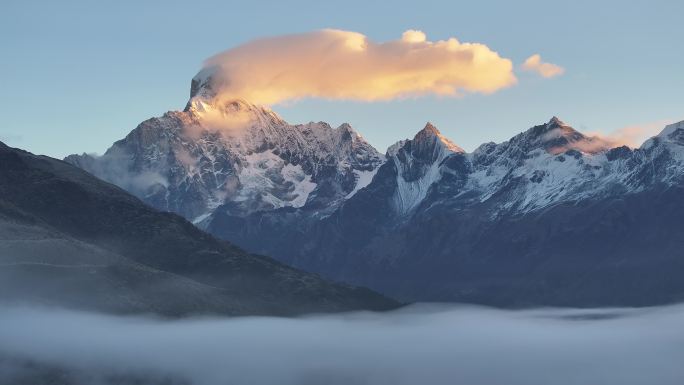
(633, 135)
(337, 64)
(534, 63)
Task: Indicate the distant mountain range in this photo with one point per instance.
(549, 217)
(70, 239)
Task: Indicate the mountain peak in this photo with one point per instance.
(554, 125)
(430, 134)
(203, 91)
(430, 128)
(202, 83)
(556, 136)
(553, 129)
(347, 128)
(555, 122)
(670, 129)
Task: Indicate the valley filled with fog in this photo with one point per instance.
(421, 344)
(375, 193)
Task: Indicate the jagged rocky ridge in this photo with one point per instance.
(549, 217)
(70, 239)
(237, 155)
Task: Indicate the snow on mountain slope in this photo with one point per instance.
(545, 165)
(264, 174)
(418, 162)
(363, 179)
(549, 217)
(676, 128)
(241, 159)
(553, 163)
(236, 154)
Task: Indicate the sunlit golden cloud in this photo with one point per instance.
(336, 64)
(534, 63)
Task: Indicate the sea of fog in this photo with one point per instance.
(421, 344)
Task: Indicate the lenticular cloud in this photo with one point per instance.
(336, 64)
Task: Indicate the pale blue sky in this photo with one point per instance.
(77, 75)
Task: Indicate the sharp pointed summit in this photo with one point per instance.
(555, 136)
(418, 164)
(431, 137)
(430, 129)
(555, 122)
(202, 84)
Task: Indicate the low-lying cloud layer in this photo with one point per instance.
(336, 64)
(419, 345)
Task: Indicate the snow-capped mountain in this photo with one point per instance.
(230, 152)
(418, 164)
(551, 216)
(553, 163)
